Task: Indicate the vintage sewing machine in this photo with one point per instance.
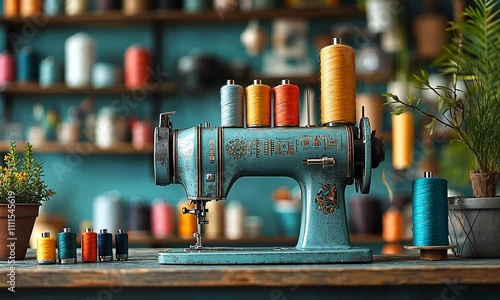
(208, 160)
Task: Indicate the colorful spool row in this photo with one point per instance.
(81, 70)
(95, 247)
(31, 8)
(258, 105)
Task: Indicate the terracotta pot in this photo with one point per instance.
(483, 184)
(20, 227)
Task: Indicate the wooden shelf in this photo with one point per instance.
(61, 89)
(339, 12)
(179, 16)
(86, 19)
(84, 148)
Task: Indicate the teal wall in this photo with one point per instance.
(79, 178)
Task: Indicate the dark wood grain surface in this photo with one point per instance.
(143, 270)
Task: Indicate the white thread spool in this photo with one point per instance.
(109, 129)
(79, 59)
(108, 212)
(234, 220)
(76, 7)
(215, 227)
(68, 133)
(381, 15)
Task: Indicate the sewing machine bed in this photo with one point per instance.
(271, 255)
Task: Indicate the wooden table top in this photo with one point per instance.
(143, 270)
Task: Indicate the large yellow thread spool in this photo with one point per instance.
(46, 249)
(258, 104)
(338, 84)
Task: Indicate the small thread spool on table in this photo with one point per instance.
(46, 249)
(66, 246)
(105, 245)
(89, 245)
(121, 244)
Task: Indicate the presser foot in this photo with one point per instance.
(277, 255)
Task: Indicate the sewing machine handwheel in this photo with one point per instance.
(363, 182)
(162, 156)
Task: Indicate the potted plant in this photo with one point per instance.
(471, 109)
(22, 190)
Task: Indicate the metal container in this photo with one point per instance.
(474, 226)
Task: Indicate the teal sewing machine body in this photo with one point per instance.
(207, 161)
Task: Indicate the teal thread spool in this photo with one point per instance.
(105, 75)
(430, 217)
(53, 7)
(231, 103)
(121, 244)
(27, 65)
(105, 245)
(66, 247)
(50, 72)
(195, 6)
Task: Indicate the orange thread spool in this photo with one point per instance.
(89, 245)
(338, 84)
(286, 104)
(258, 98)
(10, 8)
(392, 249)
(135, 7)
(30, 8)
(137, 63)
(392, 225)
(402, 140)
(187, 222)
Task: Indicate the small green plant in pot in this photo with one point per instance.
(473, 111)
(22, 190)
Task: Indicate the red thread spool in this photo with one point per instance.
(7, 68)
(137, 61)
(142, 134)
(162, 219)
(89, 245)
(286, 105)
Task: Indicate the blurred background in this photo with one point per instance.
(84, 82)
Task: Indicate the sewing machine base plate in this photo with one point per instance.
(276, 255)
